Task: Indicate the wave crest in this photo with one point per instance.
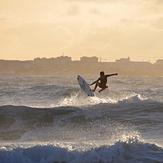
(132, 150)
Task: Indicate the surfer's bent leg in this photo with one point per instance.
(97, 84)
(103, 88)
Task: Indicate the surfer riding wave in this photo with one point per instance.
(101, 81)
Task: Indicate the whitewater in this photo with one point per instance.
(48, 119)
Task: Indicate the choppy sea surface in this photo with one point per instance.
(48, 119)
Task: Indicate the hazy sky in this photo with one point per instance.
(110, 29)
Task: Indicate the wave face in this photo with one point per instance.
(49, 119)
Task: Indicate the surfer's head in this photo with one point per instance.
(101, 73)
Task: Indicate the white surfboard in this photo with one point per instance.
(84, 86)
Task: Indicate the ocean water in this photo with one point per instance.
(48, 119)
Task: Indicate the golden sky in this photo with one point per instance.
(110, 29)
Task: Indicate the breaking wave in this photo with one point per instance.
(131, 150)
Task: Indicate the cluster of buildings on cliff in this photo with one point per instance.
(63, 65)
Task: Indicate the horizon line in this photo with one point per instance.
(99, 59)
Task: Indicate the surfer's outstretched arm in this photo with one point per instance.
(111, 75)
(95, 81)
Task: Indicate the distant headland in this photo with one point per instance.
(64, 65)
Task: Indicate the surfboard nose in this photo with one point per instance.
(84, 86)
(78, 77)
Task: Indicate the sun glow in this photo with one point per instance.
(107, 29)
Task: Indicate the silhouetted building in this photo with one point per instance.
(89, 59)
(123, 60)
(159, 62)
(63, 59)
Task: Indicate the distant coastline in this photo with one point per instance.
(63, 65)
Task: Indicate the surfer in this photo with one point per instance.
(103, 81)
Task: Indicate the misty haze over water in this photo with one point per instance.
(86, 65)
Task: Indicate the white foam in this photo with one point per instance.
(131, 150)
